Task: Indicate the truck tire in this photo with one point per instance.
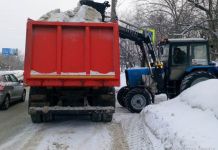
(104, 99)
(107, 117)
(121, 95)
(96, 117)
(47, 117)
(5, 105)
(194, 78)
(36, 118)
(136, 99)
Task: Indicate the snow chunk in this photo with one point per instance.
(79, 14)
(86, 14)
(49, 14)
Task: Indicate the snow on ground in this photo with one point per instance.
(64, 135)
(95, 136)
(188, 121)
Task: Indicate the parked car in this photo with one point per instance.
(11, 90)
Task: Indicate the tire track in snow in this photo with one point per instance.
(118, 138)
(138, 135)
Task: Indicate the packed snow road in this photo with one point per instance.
(18, 132)
(72, 133)
(67, 132)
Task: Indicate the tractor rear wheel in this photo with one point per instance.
(136, 99)
(121, 95)
(194, 78)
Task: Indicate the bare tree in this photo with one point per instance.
(210, 9)
(168, 17)
(11, 62)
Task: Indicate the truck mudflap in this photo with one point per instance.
(71, 110)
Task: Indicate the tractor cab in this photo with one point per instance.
(191, 51)
(182, 56)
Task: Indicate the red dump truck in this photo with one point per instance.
(71, 68)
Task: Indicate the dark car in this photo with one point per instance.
(11, 90)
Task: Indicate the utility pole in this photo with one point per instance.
(113, 10)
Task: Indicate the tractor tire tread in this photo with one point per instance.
(188, 80)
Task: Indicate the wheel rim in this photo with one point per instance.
(138, 102)
(199, 80)
(7, 102)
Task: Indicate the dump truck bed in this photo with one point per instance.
(72, 54)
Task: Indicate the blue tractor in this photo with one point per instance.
(178, 65)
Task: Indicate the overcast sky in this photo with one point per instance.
(14, 15)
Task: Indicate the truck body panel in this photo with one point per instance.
(64, 54)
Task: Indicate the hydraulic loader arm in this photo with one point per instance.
(141, 40)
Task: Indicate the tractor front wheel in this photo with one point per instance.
(136, 99)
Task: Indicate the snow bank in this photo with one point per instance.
(79, 14)
(188, 121)
(203, 96)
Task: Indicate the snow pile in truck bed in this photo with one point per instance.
(79, 14)
(190, 121)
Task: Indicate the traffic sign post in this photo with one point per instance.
(9, 52)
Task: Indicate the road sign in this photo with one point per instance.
(152, 35)
(9, 51)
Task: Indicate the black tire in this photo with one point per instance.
(104, 99)
(36, 118)
(121, 95)
(107, 117)
(23, 96)
(194, 78)
(136, 99)
(47, 117)
(6, 104)
(96, 117)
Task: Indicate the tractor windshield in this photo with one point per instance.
(199, 54)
